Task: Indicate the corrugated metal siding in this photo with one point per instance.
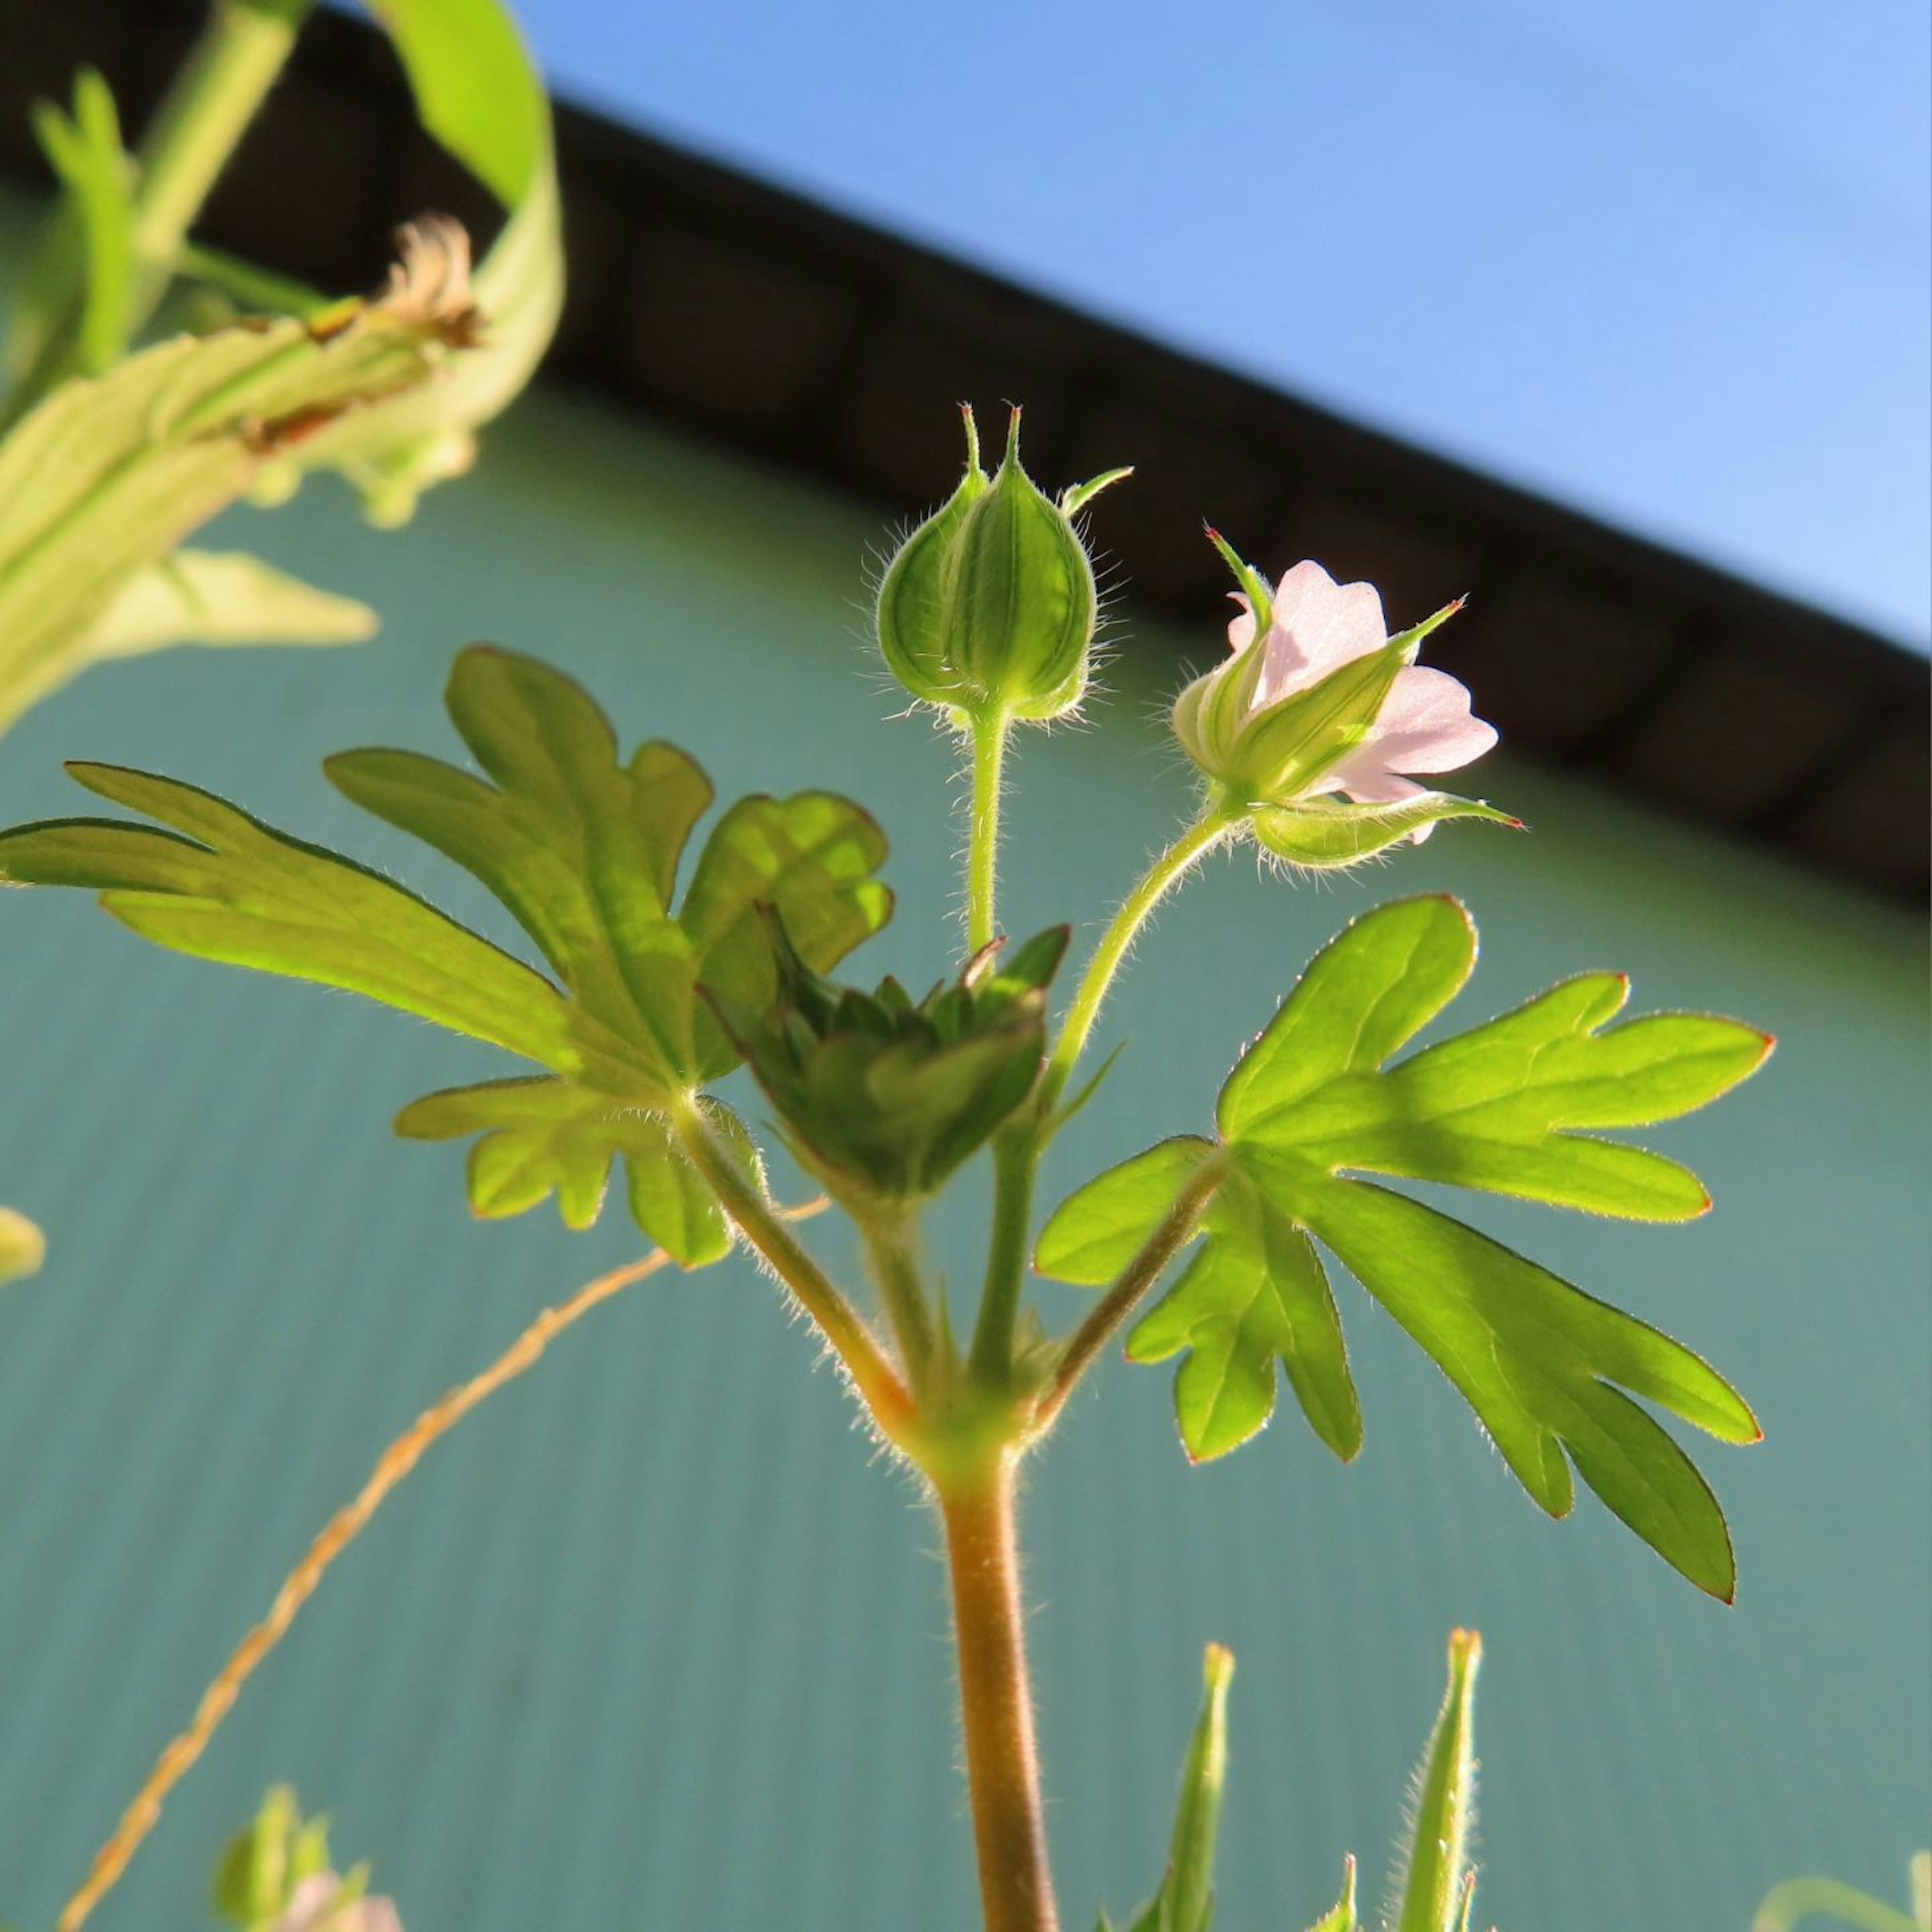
(651, 1641)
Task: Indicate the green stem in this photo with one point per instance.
(1016, 1154)
(1200, 838)
(982, 857)
(1015, 1163)
(889, 1243)
(1110, 1313)
(845, 1329)
(996, 1699)
(241, 51)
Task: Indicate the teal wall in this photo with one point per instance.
(602, 1663)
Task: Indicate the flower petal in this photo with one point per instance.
(1329, 622)
(1427, 725)
(1241, 629)
(1368, 781)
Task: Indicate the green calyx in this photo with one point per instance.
(990, 606)
(882, 1098)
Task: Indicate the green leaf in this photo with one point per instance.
(106, 477)
(1185, 1902)
(584, 851)
(1326, 834)
(1507, 1107)
(223, 886)
(479, 93)
(1438, 1883)
(1343, 1919)
(1501, 1108)
(207, 597)
(544, 1136)
(1256, 1294)
(1095, 1233)
(23, 1248)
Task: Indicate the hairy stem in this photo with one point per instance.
(1161, 876)
(889, 1246)
(996, 1699)
(1110, 1313)
(762, 1227)
(982, 853)
(395, 1463)
(1015, 1163)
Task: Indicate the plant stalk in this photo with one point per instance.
(982, 853)
(996, 1698)
(1161, 877)
(763, 1228)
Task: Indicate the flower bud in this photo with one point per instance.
(990, 605)
(882, 1098)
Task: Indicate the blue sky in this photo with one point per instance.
(1668, 262)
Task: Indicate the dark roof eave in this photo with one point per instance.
(747, 314)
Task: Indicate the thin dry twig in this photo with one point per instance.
(396, 1462)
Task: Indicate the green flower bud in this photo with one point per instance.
(882, 1098)
(990, 605)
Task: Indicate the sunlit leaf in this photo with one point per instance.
(1513, 1107)
(106, 477)
(209, 597)
(546, 1136)
(584, 849)
(480, 95)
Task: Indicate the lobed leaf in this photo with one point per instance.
(1549, 1370)
(541, 1137)
(584, 850)
(224, 887)
(1256, 1294)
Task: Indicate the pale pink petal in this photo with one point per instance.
(1329, 622)
(1368, 781)
(1284, 669)
(310, 1901)
(1425, 724)
(1241, 629)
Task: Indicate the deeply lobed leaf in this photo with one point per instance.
(584, 850)
(1315, 1103)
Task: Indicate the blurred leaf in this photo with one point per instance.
(106, 477)
(480, 95)
(583, 850)
(96, 225)
(23, 1248)
(1505, 1107)
(1437, 1884)
(224, 597)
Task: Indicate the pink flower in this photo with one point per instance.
(1424, 724)
(1312, 728)
(319, 1905)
